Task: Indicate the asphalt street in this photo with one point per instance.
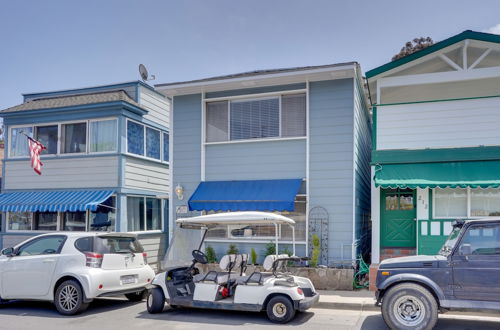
(117, 313)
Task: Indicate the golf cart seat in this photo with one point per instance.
(227, 264)
(257, 278)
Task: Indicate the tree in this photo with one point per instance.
(413, 46)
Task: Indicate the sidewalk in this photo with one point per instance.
(362, 300)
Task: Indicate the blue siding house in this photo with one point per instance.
(302, 132)
(106, 162)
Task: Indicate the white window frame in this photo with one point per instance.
(161, 160)
(467, 216)
(59, 137)
(145, 213)
(254, 97)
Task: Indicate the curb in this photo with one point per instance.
(349, 306)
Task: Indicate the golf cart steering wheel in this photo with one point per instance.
(200, 257)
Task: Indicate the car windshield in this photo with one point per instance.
(450, 242)
(182, 245)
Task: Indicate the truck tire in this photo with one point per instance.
(280, 309)
(409, 306)
(155, 301)
(69, 298)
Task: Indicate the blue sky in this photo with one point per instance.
(50, 45)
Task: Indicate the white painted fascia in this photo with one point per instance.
(177, 89)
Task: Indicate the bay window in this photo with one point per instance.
(466, 202)
(19, 141)
(273, 117)
(146, 141)
(47, 135)
(103, 135)
(74, 138)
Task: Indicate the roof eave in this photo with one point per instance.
(179, 88)
(468, 34)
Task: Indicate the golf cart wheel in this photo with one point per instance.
(69, 298)
(136, 296)
(155, 301)
(409, 306)
(280, 309)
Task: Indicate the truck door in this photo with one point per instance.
(476, 264)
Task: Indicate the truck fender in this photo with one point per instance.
(401, 278)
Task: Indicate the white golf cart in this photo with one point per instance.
(275, 291)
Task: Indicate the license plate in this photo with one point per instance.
(128, 279)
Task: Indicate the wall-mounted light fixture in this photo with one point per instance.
(179, 191)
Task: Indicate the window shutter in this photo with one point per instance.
(216, 121)
(255, 119)
(293, 115)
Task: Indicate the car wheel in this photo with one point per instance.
(409, 306)
(280, 309)
(136, 296)
(69, 298)
(156, 301)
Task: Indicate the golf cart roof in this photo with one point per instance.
(239, 218)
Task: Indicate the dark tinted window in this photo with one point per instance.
(481, 240)
(117, 245)
(84, 244)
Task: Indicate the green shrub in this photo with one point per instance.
(316, 251)
(232, 249)
(286, 251)
(253, 256)
(270, 249)
(210, 252)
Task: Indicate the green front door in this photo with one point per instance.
(397, 218)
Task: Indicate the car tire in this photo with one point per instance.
(280, 309)
(137, 296)
(69, 298)
(155, 301)
(409, 306)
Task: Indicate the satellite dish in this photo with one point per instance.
(143, 72)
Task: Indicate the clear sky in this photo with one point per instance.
(50, 45)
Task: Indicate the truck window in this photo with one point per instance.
(481, 240)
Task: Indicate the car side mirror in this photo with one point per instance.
(9, 252)
(465, 249)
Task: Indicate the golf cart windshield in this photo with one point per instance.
(183, 243)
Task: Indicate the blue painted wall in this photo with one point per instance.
(256, 160)
(331, 161)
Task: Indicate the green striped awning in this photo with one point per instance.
(478, 174)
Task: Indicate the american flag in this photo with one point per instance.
(36, 149)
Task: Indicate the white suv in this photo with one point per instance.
(71, 269)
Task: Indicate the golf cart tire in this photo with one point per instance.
(66, 288)
(415, 295)
(280, 309)
(136, 296)
(155, 301)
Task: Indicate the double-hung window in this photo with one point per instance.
(273, 117)
(47, 135)
(103, 135)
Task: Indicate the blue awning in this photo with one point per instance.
(53, 201)
(255, 195)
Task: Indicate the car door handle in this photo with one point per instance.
(48, 261)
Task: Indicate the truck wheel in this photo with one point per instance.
(155, 301)
(136, 296)
(69, 298)
(409, 306)
(280, 309)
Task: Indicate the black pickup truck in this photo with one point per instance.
(465, 275)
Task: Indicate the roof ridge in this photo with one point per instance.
(80, 94)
